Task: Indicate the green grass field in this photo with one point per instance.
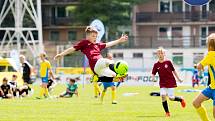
(141, 107)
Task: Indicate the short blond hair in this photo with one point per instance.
(211, 42)
(22, 56)
(161, 49)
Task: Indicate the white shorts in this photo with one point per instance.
(167, 91)
(102, 68)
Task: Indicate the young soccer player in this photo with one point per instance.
(71, 88)
(195, 77)
(92, 50)
(95, 78)
(167, 83)
(6, 89)
(13, 85)
(119, 66)
(45, 70)
(24, 90)
(112, 83)
(209, 92)
(26, 71)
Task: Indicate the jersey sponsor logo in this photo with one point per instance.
(166, 66)
(197, 2)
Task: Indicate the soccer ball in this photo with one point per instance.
(121, 67)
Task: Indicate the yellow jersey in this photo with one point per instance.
(209, 60)
(44, 68)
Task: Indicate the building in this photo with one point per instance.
(172, 23)
(58, 25)
(180, 28)
(58, 22)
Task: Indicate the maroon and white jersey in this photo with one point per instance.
(92, 51)
(165, 72)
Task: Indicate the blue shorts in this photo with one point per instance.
(108, 84)
(45, 80)
(210, 93)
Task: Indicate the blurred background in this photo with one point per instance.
(31, 26)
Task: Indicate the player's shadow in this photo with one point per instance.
(148, 116)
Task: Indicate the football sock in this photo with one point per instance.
(202, 113)
(97, 89)
(113, 95)
(179, 99)
(95, 78)
(46, 92)
(165, 106)
(42, 92)
(14, 93)
(103, 94)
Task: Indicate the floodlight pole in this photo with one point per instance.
(18, 22)
(17, 34)
(39, 24)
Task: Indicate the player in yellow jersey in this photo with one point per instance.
(97, 90)
(209, 92)
(45, 70)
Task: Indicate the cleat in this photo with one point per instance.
(167, 114)
(97, 96)
(183, 103)
(47, 96)
(38, 98)
(114, 102)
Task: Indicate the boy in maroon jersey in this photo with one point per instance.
(92, 50)
(167, 82)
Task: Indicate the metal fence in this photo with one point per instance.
(175, 17)
(167, 42)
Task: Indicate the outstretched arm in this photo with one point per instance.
(65, 52)
(122, 39)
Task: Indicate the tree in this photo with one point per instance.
(111, 12)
